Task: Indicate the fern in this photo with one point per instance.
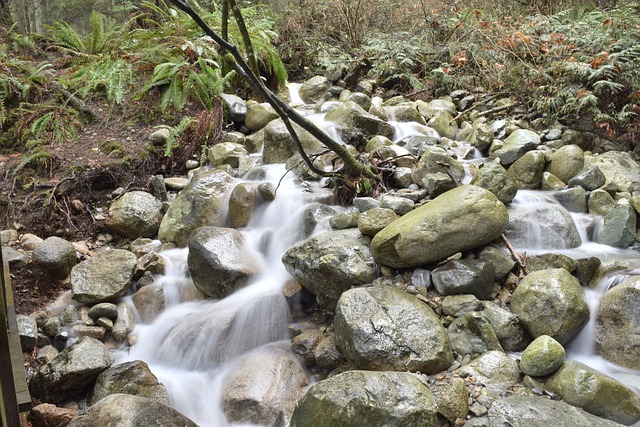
(172, 140)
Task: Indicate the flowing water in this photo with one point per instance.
(191, 346)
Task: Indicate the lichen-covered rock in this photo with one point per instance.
(554, 228)
(241, 204)
(201, 203)
(596, 393)
(135, 214)
(621, 171)
(551, 302)
(127, 410)
(353, 118)
(219, 263)
(495, 178)
(130, 378)
(519, 142)
(363, 398)
(542, 357)
(329, 264)
(458, 220)
(103, 277)
(55, 256)
(384, 328)
(472, 333)
(618, 227)
(465, 276)
(566, 162)
(71, 371)
(618, 324)
(527, 170)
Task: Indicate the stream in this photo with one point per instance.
(222, 331)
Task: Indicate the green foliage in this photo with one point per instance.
(112, 77)
(99, 40)
(175, 132)
(37, 157)
(41, 124)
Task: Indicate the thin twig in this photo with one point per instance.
(58, 184)
(516, 257)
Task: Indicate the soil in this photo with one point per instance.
(69, 194)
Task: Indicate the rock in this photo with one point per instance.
(55, 256)
(621, 171)
(259, 115)
(329, 264)
(229, 153)
(506, 326)
(315, 89)
(553, 227)
(326, 354)
(519, 142)
(551, 182)
(441, 228)
(429, 109)
(344, 220)
(69, 373)
(125, 322)
(201, 203)
(590, 178)
(443, 123)
(551, 260)
(126, 410)
(160, 136)
(135, 214)
(313, 215)
(384, 328)
(352, 118)
(149, 302)
(495, 178)
(618, 228)
(551, 302)
(48, 415)
(458, 305)
(133, 378)
(400, 205)
(529, 411)
(454, 403)
(572, 199)
(472, 333)
(618, 325)
(103, 309)
(52, 326)
(303, 345)
(527, 170)
(241, 204)
(219, 263)
(176, 183)
(15, 259)
(497, 371)
(152, 263)
(501, 260)
(542, 357)
(600, 202)
(262, 384)
(596, 393)
(103, 277)
(279, 146)
(235, 106)
(374, 220)
(481, 136)
(465, 276)
(404, 112)
(436, 160)
(362, 398)
(28, 241)
(28, 332)
(364, 204)
(566, 162)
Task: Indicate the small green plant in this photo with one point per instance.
(41, 124)
(174, 134)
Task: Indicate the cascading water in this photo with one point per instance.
(192, 345)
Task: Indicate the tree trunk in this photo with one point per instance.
(28, 15)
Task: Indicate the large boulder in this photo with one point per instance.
(384, 328)
(219, 263)
(459, 220)
(329, 264)
(362, 398)
(543, 226)
(315, 89)
(135, 214)
(566, 162)
(262, 384)
(351, 118)
(279, 145)
(436, 162)
(542, 357)
(201, 203)
(530, 411)
(527, 170)
(103, 277)
(259, 115)
(618, 324)
(71, 371)
(232, 154)
(495, 369)
(241, 204)
(551, 302)
(130, 378)
(621, 171)
(55, 256)
(127, 410)
(596, 393)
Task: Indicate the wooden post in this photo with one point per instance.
(9, 403)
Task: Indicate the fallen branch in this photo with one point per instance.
(522, 264)
(58, 184)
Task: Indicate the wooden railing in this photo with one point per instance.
(14, 394)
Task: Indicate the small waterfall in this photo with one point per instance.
(190, 346)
